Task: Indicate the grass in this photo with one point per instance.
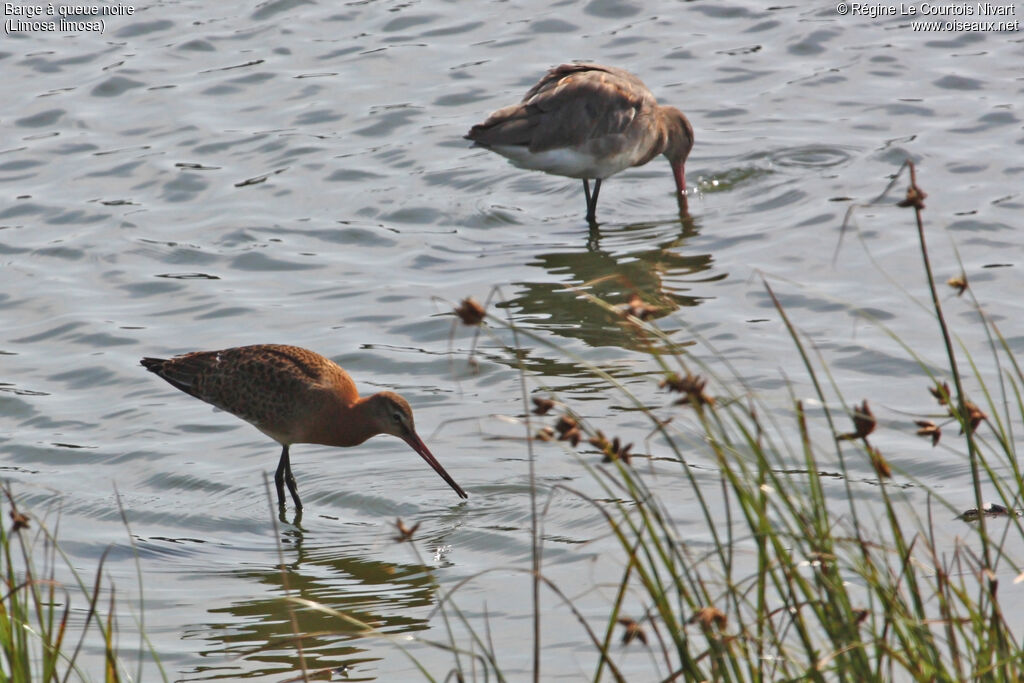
(46, 624)
(838, 591)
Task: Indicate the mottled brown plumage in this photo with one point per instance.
(588, 121)
(293, 395)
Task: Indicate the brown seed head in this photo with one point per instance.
(941, 393)
(863, 423)
(405, 533)
(470, 311)
(633, 631)
(616, 451)
(915, 198)
(542, 405)
(565, 423)
(930, 429)
(708, 617)
(974, 416)
(20, 521)
(959, 283)
(691, 385)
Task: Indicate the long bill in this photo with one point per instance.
(417, 445)
(679, 173)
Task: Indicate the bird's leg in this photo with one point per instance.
(591, 218)
(591, 199)
(290, 480)
(282, 465)
(284, 476)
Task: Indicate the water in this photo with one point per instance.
(205, 175)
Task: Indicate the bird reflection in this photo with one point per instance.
(617, 264)
(282, 516)
(255, 637)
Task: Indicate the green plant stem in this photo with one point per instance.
(972, 448)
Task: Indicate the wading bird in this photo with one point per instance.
(588, 121)
(293, 395)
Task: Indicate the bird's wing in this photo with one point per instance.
(264, 385)
(572, 106)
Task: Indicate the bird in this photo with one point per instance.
(293, 395)
(588, 121)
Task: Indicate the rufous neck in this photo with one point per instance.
(345, 425)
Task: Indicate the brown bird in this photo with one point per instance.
(293, 395)
(588, 121)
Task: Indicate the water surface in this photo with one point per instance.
(207, 175)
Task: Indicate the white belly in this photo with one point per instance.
(565, 161)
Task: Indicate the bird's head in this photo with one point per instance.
(392, 415)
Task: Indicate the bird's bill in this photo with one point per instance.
(679, 172)
(417, 445)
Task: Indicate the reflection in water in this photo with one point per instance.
(617, 264)
(732, 178)
(382, 595)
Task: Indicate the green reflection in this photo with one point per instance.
(260, 631)
(616, 264)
